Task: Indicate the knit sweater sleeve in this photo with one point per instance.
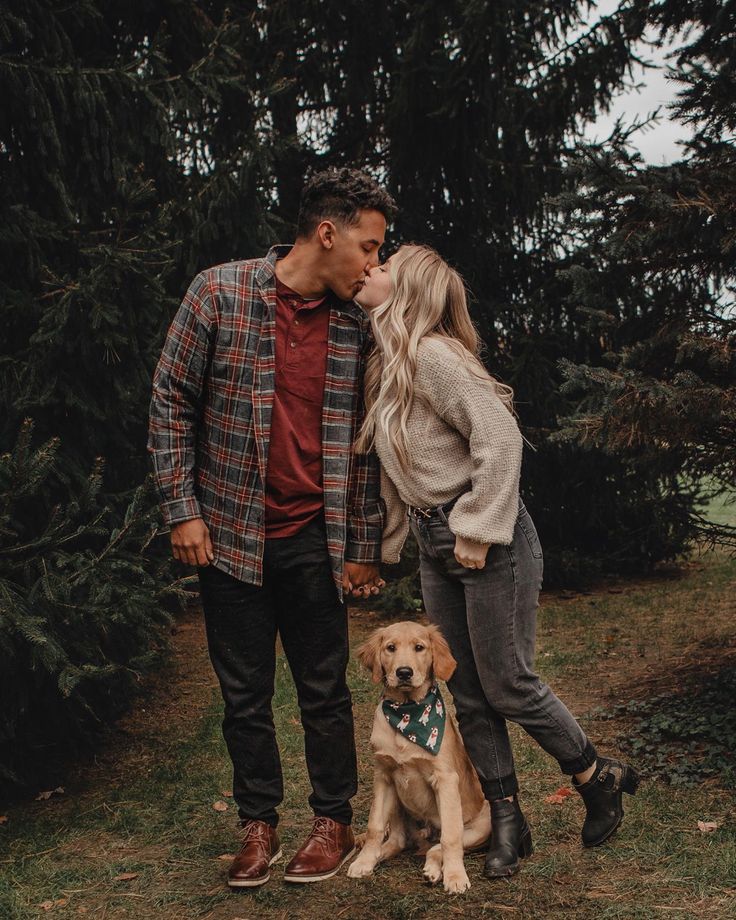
(487, 512)
(396, 524)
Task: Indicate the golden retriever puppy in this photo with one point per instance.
(424, 783)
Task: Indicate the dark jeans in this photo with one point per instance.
(488, 617)
(298, 600)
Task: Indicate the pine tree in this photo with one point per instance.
(124, 170)
(82, 603)
(655, 275)
(116, 189)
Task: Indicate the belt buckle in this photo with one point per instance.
(425, 512)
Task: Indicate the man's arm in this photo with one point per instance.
(178, 384)
(364, 526)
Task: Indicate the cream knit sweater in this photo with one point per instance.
(461, 439)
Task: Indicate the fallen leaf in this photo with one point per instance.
(125, 876)
(220, 806)
(43, 796)
(228, 795)
(707, 827)
(557, 798)
(226, 856)
(3, 819)
(46, 905)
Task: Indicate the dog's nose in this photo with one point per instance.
(404, 673)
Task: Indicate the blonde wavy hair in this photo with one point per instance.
(427, 298)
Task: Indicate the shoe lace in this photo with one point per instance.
(323, 830)
(254, 831)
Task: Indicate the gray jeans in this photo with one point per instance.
(488, 617)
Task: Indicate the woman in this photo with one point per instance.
(450, 452)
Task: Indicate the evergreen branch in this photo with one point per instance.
(70, 71)
(616, 16)
(116, 539)
(53, 538)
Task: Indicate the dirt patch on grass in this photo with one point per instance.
(171, 701)
(645, 635)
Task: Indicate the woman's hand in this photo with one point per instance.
(469, 554)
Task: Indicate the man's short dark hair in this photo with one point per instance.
(340, 195)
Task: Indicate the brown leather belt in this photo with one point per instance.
(436, 511)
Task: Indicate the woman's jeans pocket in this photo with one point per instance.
(530, 532)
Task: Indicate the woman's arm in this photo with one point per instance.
(396, 525)
(487, 513)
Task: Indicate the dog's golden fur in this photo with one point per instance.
(415, 793)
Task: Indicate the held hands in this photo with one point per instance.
(469, 554)
(191, 544)
(361, 579)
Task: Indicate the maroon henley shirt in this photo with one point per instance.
(294, 472)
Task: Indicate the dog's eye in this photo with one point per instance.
(390, 647)
(418, 647)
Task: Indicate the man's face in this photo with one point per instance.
(354, 252)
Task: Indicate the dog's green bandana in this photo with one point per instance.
(422, 722)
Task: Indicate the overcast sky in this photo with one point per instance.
(657, 144)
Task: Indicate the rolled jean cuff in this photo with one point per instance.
(580, 764)
(495, 789)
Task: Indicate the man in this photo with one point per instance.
(256, 400)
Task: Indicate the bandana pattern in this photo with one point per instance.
(422, 722)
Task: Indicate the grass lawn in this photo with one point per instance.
(136, 834)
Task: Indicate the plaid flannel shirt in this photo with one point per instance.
(210, 420)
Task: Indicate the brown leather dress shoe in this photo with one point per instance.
(259, 850)
(327, 847)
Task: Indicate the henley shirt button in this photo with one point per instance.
(293, 344)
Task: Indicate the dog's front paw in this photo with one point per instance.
(456, 881)
(432, 872)
(360, 868)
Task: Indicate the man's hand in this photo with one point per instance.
(469, 554)
(190, 542)
(361, 579)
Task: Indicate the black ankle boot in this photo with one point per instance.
(511, 839)
(603, 795)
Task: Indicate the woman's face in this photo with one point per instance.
(376, 288)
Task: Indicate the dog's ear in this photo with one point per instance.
(443, 662)
(369, 655)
